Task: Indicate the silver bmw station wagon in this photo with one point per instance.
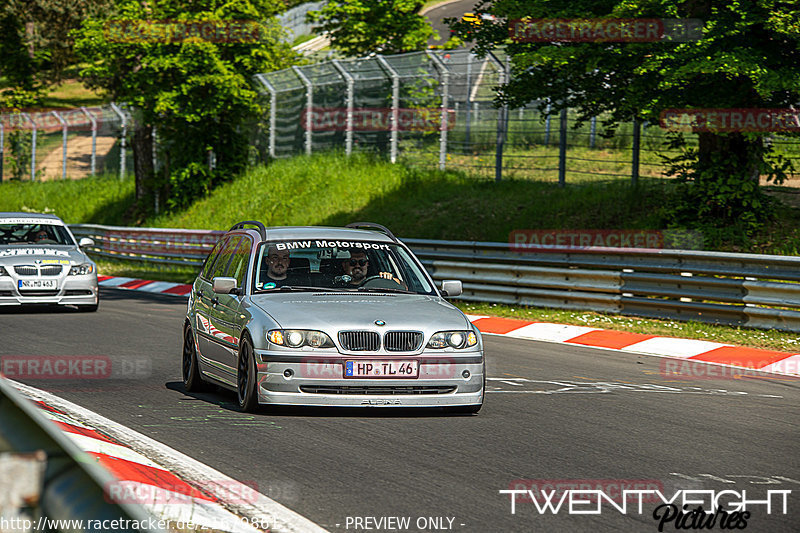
(320, 316)
(40, 263)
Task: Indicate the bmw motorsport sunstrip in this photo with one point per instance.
(320, 316)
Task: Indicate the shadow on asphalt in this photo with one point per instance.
(227, 400)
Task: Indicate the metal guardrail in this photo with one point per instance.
(759, 291)
(73, 485)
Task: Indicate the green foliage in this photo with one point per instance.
(359, 27)
(748, 57)
(197, 92)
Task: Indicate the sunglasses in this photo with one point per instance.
(359, 262)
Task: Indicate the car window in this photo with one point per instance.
(221, 264)
(34, 234)
(339, 266)
(211, 259)
(240, 260)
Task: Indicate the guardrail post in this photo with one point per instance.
(33, 146)
(445, 73)
(63, 144)
(637, 130)
(91, 118)
(123, 118)
(562, 148)
(309, 107)
(273, 102)
(348, 143)
(395, 107)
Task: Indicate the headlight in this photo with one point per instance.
(297, 338)
(80, 270)
(3, 272)
(454, 339)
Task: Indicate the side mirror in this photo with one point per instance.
(451, 288)
(85, 241)
(222, 285)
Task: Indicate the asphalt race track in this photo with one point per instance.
(553, 412)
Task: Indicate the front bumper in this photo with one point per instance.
(319, 382)
(71, 290)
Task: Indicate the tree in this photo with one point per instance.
(748, 56)
(187, 71)
(359, 27)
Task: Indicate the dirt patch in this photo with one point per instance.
(79, 158)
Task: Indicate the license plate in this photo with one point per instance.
(37, 284)
(381, 369)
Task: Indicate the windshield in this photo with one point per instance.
(39, 234)
(339, 266)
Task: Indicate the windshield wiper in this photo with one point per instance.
(376, 289)
(299, 288)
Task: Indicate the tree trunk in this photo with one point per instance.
(143, 159)
(736, 154)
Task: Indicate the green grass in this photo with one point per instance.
(765, 339)
(98, 200)
(72, 93)
(141, 270)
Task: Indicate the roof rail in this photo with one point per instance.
(261, 229)
(372, 225)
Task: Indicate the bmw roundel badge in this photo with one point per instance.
(380, 323)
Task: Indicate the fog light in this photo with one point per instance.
(288, 373)
(465, 374)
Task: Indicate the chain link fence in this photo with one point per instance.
(436, 108)
(59, 144)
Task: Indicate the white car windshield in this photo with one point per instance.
(338, 265)
(38, 234)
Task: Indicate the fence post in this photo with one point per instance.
(63, 144)
(547, 126)
(502, 115)
(637, 130)
(469, 102)
(348, 143)
(94, 137)
(592, 132)
(2, 145)
(273, 101)
(309, 106)
(562, 148)
(395, 107)
(33, 146)
(124, 120)
(445, 73)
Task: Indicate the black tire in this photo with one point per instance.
(246, 377)
(192, 381)
(87, 308)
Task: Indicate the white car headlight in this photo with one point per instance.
(297, 338)
(80, 270)
(453, 339)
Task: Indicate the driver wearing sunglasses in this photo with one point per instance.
(355, 269)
